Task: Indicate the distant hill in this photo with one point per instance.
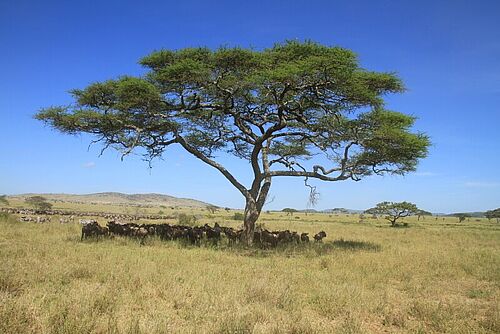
(471, 214)
(120, 198)
(342, 210)
(336, 210)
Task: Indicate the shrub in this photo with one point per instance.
(7, 217)
(238, 216)
(185, 219)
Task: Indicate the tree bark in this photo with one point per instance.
(252, 213)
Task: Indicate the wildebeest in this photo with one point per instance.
(213, 234)
(194, 235)
(304, 237)
(93, 230)
(269, 238)
(319, 236)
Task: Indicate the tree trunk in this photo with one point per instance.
(252, 213)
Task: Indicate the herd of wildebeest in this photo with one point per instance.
(193, 234)
(190, 234)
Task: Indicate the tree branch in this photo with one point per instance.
(214, 164)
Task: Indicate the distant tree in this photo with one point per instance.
(493, 214)
(394, 210)
(276, 108)
(227, 209)
(3, 200)
(289, 211)
(212, 208)
(461, 216)
(39, 202)
(421, 213)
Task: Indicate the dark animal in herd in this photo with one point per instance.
(93, 229)
(320, 236)
(194, 235)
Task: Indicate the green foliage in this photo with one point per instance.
(7, 217)
(3, 200)
(238, 216)
(185, 219)
(461, 216)
(275, 108)
(213, 98)
(394, 210)
(289, 211)
(38, 202)
(493, 214)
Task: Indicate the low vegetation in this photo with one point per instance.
(435, 276)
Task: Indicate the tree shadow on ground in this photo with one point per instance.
(355, 245)
(308, 249)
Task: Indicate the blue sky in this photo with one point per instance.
(446, 52)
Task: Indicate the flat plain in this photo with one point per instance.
(434, 276)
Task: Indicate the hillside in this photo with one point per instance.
(119, 198)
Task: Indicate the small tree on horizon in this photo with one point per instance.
(493, 214)
(212, 208)
(462, 216)
(38, 202)
(421, 213)
(289, 211)
(394, 210)
(276, 108)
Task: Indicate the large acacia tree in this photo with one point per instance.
(277, 108)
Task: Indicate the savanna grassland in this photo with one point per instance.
(436, 276)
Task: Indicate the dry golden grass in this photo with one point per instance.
(435, 276)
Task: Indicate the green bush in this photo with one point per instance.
(7, 217)
(238, 216)
(185, 219)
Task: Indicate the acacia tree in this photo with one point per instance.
(276, 108)
(462, 216)
(289, 211)
(212, 208)
(39, 202)
(421, 213)
(493, 214)
(394, 210)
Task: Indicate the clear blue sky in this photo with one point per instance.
(446, 52)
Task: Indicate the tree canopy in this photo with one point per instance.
(39, 202)
(394, 210)
(289, 211)
(277, 108)
(493, 214)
